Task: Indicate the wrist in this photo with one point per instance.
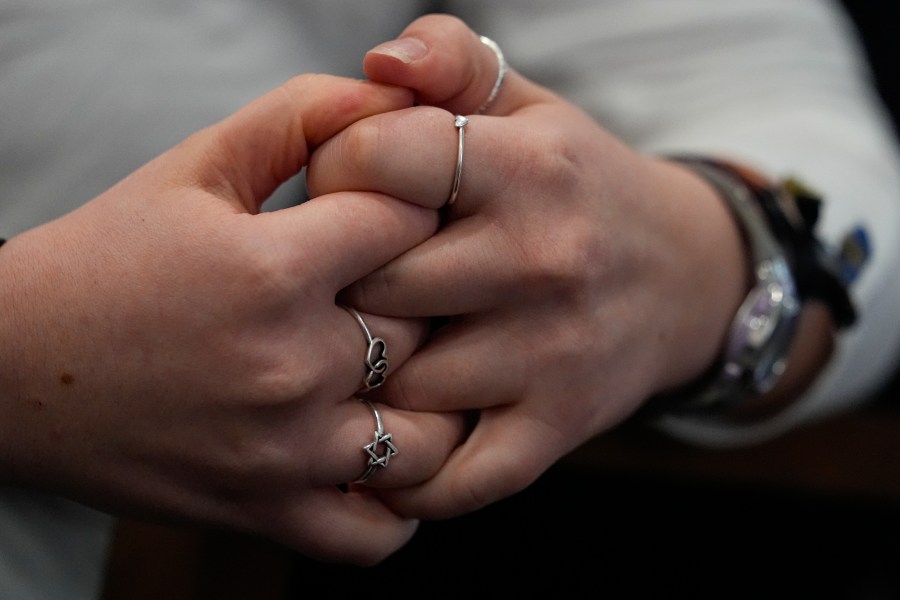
(704, 277)
(30, 425)
(790, 271)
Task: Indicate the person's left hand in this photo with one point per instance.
(573, 271)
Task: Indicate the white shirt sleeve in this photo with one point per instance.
(781, 86)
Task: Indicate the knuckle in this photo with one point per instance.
(552, 161)
(268, 357)
(564, 262)
(359, 147)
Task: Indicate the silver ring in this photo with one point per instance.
(381, 440)
(501, 72)
(376, 354)
(460, 124)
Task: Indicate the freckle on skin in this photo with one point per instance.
(66, 379)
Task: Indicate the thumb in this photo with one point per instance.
(448, 66)
(246, 156)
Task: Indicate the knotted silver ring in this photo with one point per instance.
(376, 354)
(380, 450)
(501, 72)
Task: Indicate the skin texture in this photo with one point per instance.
(574, 277)
(168, 350)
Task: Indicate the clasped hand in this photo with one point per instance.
(170, 350)
(572, 277)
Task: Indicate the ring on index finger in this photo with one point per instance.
(460, 124)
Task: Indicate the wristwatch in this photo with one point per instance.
(791, 267)
(764, 325)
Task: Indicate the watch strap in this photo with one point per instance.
(778, 221)
(792, 210)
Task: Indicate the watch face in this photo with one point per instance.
(769, 322)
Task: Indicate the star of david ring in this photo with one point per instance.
(380, 450)
(460, 124)
(376, 354)
(501, 72)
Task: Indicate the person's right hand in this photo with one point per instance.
(572, 278)
(169, 350)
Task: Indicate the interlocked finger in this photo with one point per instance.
(422, 155)
(378, 446)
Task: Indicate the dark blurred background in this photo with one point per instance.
(878, 26)
(815, 514)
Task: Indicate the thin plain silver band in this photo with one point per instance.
(359, 320)
(460, 123)
(501, 72)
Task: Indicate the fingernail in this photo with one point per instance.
(406, 50)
